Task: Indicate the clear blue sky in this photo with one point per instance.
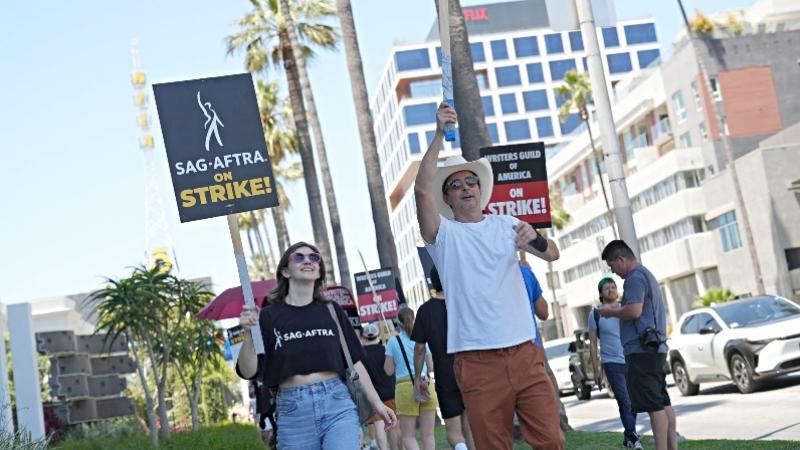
(72, 184)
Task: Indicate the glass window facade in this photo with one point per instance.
(491, 129)
(610, 37)
(412, 59)
(508, 103)
(488, 106)
(647, 57)
(499, 50)
(526, 46)
(575, 41)
(560, 99)
(680, 107)
(419, 114)
(640, 34)
(535, 73)
(478, 54)
(728, 231)
(517, 130)
(560, 67)
(507, 76)
(413, 143)
(544, 127)
(619, 63)
(569, 124)
(553, 43)
(535, 100)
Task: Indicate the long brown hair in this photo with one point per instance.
(280, 292)
(406, 318)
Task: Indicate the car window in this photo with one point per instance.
(690, 325)
(756, 311)
(557, 351)
(707, 320)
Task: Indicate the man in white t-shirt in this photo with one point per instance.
(490, 326)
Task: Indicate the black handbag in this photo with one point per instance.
(357, 393)
(419, 398)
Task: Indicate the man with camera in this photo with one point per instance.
(643, 335)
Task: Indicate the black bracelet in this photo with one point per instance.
(540, 243)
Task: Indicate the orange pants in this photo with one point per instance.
(495, 384)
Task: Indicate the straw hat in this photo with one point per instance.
(453, 164)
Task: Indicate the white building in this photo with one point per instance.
(519, 62)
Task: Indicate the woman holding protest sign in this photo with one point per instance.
(410, 403)
(304, 358)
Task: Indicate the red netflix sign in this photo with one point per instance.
(520, 183)
(476, 14)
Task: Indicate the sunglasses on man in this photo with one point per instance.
(470, 180)
(297, 258)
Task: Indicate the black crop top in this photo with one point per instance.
(300, 340)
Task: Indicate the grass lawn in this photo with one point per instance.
(245, 437)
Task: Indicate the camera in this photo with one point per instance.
(652, 339)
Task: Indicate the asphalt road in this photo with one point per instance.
(719, 411)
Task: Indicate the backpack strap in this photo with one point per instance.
(596, 315)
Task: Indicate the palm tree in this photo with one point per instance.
(719, 116)
(471, 121)
(281, 141)
(281, 26)
(577, 94)
(387, 252)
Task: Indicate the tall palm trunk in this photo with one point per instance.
(719, 116)
(387, 252)
(327, 182)
(597, 157)
(471, 121)
(279, 218)
(289, 48)
(270, 249)
(262, 251)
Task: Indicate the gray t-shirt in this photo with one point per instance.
(641, 286)
(610, 344)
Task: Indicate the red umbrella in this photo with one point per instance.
(230, 303)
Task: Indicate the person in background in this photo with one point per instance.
(374, 357)
(410, 406)
(430, 331)
(642, 331)
(606, 330)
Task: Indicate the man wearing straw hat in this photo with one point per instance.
(490, 327)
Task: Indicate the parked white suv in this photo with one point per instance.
(744, 340)
(557, 352)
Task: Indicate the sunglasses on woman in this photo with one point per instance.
(299, 257)
(470, 180)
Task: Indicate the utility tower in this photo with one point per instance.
(158, 247)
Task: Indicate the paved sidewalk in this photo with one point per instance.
(719, 411)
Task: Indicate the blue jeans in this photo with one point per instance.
(616, 378)
(317, 416)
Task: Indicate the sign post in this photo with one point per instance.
(447, 65)
(217, 156)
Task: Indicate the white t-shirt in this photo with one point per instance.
(487, 305)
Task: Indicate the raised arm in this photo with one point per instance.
(424, 190)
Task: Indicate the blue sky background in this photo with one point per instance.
(72, 180)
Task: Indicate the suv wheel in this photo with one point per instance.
(682, 380)
(742, 374)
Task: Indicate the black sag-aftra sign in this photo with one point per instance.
(215, 146)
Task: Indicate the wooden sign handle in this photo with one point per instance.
(244, 279)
